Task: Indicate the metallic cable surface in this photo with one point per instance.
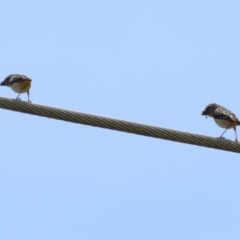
(119, 125)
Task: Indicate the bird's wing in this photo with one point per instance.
(225, 114)
(17, 78)
(12, 78)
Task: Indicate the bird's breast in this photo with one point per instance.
(223, 123)
(21, 87)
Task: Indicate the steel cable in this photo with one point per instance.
(119, 125)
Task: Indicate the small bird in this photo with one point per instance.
(18, 83)
(223, 117)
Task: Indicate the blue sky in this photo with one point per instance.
(154, 62)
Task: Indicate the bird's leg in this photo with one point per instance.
(28, 96)
(235, 134)
(18, 96)
(224, 132)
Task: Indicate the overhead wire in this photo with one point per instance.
(119, 125)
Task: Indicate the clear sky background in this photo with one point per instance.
(154, 62)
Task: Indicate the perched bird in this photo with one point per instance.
(222, 116)
(18, 83)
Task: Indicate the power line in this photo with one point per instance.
(119, 125)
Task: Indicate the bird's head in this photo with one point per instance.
(209, 109)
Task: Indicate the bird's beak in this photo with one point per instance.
(204, 113)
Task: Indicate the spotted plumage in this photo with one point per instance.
(222, 116)
(18, 83)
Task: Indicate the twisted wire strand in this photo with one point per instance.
(119, 125)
